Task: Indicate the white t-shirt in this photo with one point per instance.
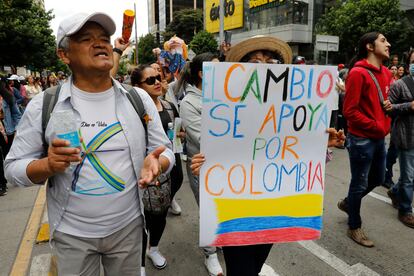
(104, 196)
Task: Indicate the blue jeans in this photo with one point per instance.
(12, 117)
(367, 161)
(404, 188)
(391, 159)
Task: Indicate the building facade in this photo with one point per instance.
(290, 20)
(161, 12)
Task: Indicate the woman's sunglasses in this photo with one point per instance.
(151, 80)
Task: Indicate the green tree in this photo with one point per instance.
(351, 19)
(145, 45)
(203, 42)
(123, 67)
(185, 24)
(25, 35)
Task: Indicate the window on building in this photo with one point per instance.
(278, 13)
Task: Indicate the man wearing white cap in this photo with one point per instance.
(94, 203)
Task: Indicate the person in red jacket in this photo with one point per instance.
(365, 108)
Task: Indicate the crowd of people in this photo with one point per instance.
(95, 208)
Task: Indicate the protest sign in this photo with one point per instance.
(264, 138)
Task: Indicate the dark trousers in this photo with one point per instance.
(367, 161)
(391, 159)
(245, 260)
(156, 223)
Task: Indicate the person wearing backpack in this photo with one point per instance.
(366, 110)
(94, 190)
(149, 79)
(402, 99)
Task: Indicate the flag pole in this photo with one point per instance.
(136, 36)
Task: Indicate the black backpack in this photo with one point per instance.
(51, 96)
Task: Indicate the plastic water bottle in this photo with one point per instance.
(65, 127)
(170, 131)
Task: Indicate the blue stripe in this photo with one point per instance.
(100, 133)
(266, 223)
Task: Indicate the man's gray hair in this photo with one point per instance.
(64, 43)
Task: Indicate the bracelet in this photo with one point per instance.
(117, 50)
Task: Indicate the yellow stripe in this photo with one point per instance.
(21, 263)
(307, 205)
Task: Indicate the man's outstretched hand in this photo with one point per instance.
(151, 168)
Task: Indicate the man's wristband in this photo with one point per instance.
(118, 51)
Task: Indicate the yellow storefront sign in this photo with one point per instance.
(233, 15)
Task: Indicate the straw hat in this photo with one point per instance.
(238, 51)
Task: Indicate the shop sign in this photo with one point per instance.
(233, 15)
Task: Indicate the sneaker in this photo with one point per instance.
(213, 266)
(343, 205)
(267, 271)
(358, 236)
(184, 157)
(394, 199)
(157, 259)
(407, 220)
(3, 192)
(143, 271)
(175, 208)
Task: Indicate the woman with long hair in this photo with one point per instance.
(401, 71)
(51, 80)
(190, 110)
(149, 79)
(394, 72)
(32, 88)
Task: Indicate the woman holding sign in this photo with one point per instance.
(245, 260)
(149, 79)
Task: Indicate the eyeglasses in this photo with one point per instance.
(151, 80)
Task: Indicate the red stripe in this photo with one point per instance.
(291, 234)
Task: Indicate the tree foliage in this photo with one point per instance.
(351, 19)
(25, 35)
(145, 45)
(185, 24)
(203, 42)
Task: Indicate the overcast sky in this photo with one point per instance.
(115, 9)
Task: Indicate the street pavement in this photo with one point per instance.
(333, 254)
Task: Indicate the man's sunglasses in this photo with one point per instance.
(151, 80)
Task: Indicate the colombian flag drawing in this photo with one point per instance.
(274, 220)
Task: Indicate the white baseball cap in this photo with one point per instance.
(74, 23)
(13, 77)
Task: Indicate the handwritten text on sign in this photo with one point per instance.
(263, 134)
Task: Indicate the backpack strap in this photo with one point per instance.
(381, 97)
(138, 105)
(170, 109)
(50, 97)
